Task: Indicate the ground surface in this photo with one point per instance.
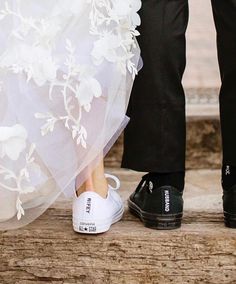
(202, 251)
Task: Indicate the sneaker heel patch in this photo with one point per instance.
(87, 227)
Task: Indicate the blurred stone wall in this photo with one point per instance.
(202, 67)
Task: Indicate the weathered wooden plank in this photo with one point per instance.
(128, 253)
(48, 251)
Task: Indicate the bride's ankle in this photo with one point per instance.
(101, 186)
(101, 189)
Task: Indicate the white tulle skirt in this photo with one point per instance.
(66, 72)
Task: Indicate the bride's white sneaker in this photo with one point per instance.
(93, 214)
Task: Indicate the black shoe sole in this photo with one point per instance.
(230, 220)
(156, 221)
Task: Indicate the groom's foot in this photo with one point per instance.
(229, 195)
(229, 206)
(158, 207)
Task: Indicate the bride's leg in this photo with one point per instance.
(96, 182)
(99, 180)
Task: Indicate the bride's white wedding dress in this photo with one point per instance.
(66, 72)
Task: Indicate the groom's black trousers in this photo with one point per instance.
(155, 138)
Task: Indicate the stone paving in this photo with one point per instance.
(202, 66)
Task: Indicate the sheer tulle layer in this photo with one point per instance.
(67, 69)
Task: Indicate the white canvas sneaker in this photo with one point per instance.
(93, 214)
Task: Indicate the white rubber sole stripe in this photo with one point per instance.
(96, 227)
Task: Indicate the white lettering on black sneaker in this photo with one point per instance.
(88, 205)
(143, 185)
(150, 186)
(227, 170)
(167, 201)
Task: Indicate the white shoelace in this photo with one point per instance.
(115, 179)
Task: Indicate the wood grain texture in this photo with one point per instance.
(48, 251)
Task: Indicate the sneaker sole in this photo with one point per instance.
(96, 227)
(230, 220)
(156, 221)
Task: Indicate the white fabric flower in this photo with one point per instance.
(35, 61)
(87, 90)
(74, 7)
(48, 31)
(12, 141)
(124, 8)
(106, 48)
(43, 68)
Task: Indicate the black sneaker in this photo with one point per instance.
(157, 207)
(229, 206)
